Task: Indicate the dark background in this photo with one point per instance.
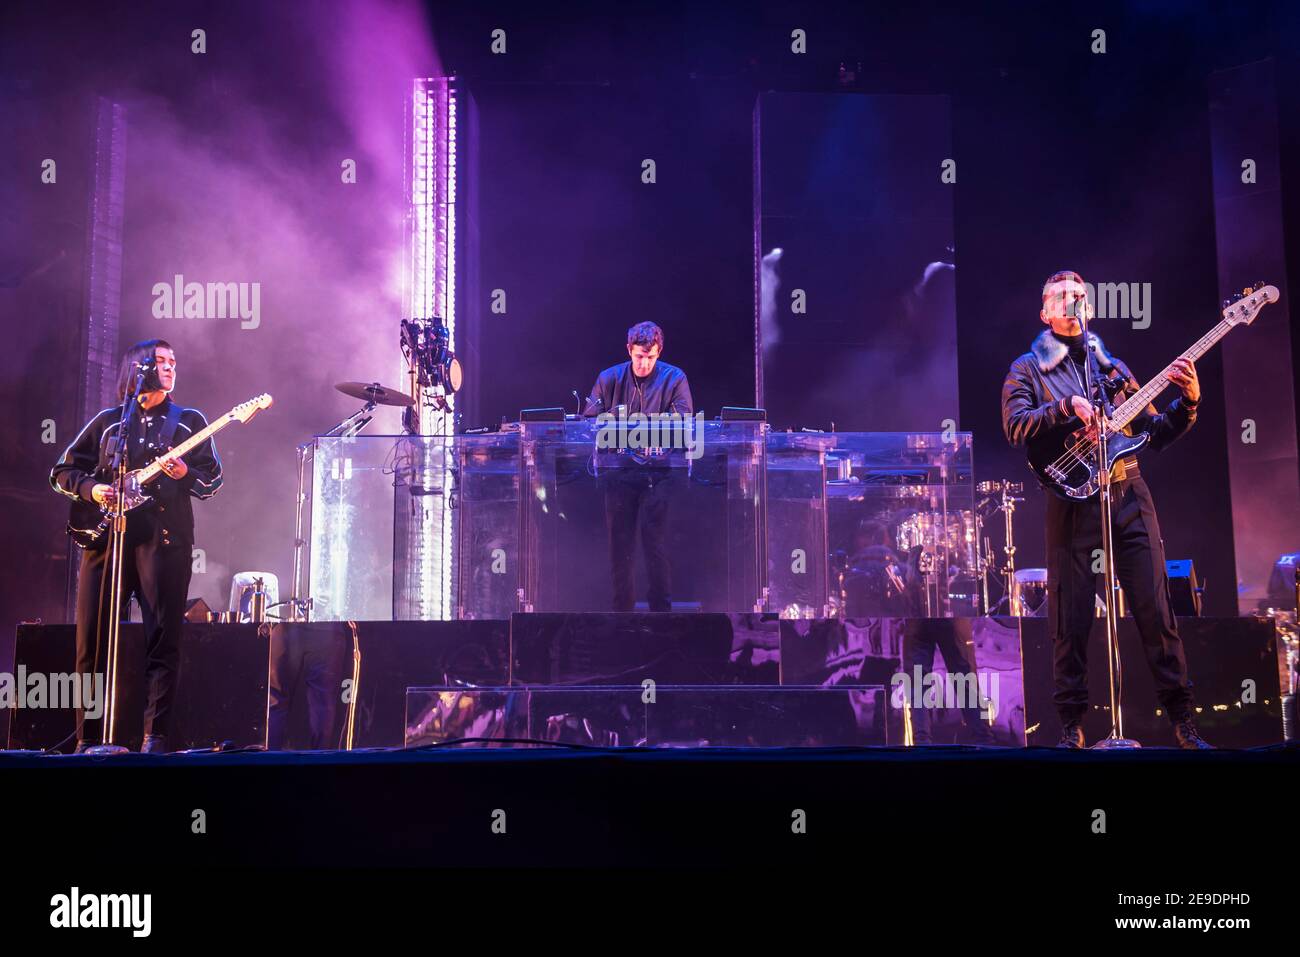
(1100, 163)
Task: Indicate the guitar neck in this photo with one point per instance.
(1133, 406)
(193, 442)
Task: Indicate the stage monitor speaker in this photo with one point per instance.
(1183, 588)
(736, 413)
(541, 415)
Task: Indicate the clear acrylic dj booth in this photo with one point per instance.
(802, 524)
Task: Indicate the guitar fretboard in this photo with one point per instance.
(193, 442)
(1134, 405)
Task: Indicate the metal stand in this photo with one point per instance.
(300, 607)
(1115, 740)
(1008, 509)
(983, 558)
(1005, 490)
(116, 555)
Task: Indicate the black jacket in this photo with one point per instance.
(1039, 382)
(87, 460)
(666, 390)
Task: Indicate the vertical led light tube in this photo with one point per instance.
(424, 558)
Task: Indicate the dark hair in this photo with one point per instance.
(645, 334)
(136, 353)
(1061, 276)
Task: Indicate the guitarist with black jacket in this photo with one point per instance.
(159, 536)
(1042, 398)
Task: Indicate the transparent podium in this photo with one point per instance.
(858, 555)
(871, 523)
(804, 525)
(707, 499)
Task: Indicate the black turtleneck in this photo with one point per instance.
(1073, 343)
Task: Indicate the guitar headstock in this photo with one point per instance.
(1245, 306)
(246, 410)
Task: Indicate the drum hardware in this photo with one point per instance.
(1006, 494)
(986, 562)
(256, 602)
(840, 562)
(925, 566)
(434, 370)
(1031, 592)
(372, 394)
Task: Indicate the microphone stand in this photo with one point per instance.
(1115, 740)
(116, 555)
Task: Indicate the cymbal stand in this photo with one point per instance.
(299, 606)
(1007, 506)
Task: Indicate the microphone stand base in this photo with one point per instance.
(1114, 743)
(99, 750)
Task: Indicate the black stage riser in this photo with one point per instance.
(222, 695)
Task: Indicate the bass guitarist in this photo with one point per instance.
(156, 565)
(1044, 397)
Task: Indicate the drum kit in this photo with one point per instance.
(372, 394)
(1024, 593)
(435, 374)
(928, 562)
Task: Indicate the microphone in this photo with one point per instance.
(147, 375)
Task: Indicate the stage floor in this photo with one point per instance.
(566, 807)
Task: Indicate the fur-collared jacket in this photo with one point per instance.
(1038, 387)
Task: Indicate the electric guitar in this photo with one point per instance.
(1067, 461)
(89, 522)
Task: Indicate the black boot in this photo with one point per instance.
(977, 728)
(1072, 736)
(154, 744)
(1189, 738)
(920, 718)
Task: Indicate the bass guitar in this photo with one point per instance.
(1067, 461)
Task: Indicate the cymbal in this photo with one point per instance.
(374, 392)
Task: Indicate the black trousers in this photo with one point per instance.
(314, 657)
(923, 637)
(632, 494)
(159, 577)
(1073, 532)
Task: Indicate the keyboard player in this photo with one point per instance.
(638, 490)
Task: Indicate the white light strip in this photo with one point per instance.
(433, 294)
